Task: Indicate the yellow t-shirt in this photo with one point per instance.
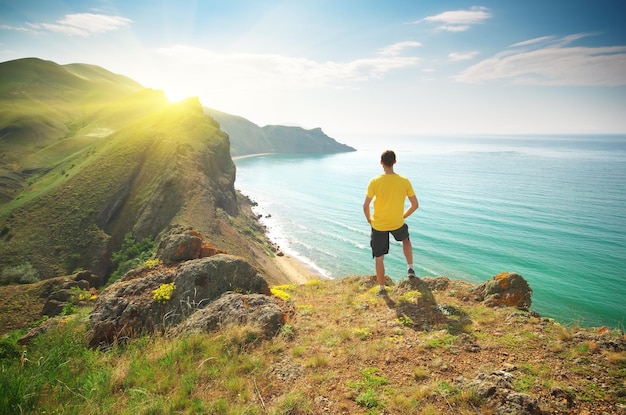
(389, 191)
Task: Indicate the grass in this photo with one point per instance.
(86, 190)
(339, 357)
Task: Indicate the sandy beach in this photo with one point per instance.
(295, 270)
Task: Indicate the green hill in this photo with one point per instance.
(298, 140)
(248, 138)
(42, 111)
(88, 157)
(245, 136)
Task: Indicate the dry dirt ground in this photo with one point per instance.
(352, 352)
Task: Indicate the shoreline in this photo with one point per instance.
(245, 156)
(295, 270)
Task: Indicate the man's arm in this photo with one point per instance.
(414, 205)
(366, 208)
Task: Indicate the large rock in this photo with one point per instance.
(261, 311)
(128, 307)
(506, 289)
(182, 245)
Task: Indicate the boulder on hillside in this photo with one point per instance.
(184, 244)
(92, 279)
(260, 311)
(506, 289)
(63, 295)
(497, 388)
(130, 307)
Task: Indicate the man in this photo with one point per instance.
(389, 191)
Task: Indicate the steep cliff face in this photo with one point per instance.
(123, 162)
(141, 179)
(88, 157)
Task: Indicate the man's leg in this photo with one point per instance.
(380, 270)
(402, 234)
(407, 248)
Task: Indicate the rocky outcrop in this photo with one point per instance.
(268, 314)
(506, 289)
(497, 387)
(75, 292)
(182, 245)
(132, 306)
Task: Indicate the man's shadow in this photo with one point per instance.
(415, 306)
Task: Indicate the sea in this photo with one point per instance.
(550, 208)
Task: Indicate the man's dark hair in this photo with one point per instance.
(388, 158)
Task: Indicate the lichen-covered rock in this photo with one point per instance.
(257, 310)
(506, 289)
(93, 280)
(129, 307)
(182, 245)
(497, 387)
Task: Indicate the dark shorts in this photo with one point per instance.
(380, 239)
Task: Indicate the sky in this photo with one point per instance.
(353, 67)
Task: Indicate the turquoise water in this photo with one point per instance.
(552, 209)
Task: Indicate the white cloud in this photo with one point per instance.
(398, 48)
(533, 41)
(455, 57)
(453, 28)
(270, 69)
(16, 28)
(554, 63)
(458, 20)
(79, 24)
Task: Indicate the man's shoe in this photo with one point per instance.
(411, 273)
(382, 292)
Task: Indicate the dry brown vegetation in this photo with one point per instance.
(344, 351)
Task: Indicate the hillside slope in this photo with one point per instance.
(425, 348)
(89, 157)
(245, 136)
(248, 138)
(298, 140)
(42, 110)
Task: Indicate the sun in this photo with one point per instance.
(175, 95)
(178, 89)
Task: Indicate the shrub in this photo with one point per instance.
(306, 309)
(406, 321)
(131, 254)
(362, 333)
(368, 399)
(410, 297)
(19, 274)
(9, 349)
